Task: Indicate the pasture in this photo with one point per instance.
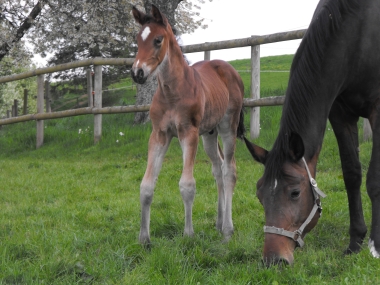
(70, 211)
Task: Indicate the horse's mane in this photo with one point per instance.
(306, 66)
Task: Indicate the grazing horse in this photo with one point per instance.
(335, 75)
(204, 99)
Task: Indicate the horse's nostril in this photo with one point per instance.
(276, 261)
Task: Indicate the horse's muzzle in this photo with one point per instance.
(278, 250)
(139, 76)
(276, 262)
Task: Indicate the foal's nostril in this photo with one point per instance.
(140, 74)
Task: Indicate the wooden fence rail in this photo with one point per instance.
(66, 66)
(268, 101)
(96, 109)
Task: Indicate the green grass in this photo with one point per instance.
(70, 213)
(118, 93)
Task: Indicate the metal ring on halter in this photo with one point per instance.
(297, 234)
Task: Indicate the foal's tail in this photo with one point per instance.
(241, 128)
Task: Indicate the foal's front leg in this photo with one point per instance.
(158, 145)
(189, 144)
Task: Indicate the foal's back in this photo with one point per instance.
(222, 89)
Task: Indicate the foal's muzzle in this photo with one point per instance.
(139, 76)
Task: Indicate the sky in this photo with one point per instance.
(236, 19)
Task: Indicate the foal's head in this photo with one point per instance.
(153, 43)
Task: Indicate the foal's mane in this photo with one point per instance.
(306, 66)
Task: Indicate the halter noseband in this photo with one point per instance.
(297, 234)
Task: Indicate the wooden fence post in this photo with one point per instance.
(89, 88)
(15, 104)
(8, 113)
(47, 96)
(98, 102)
(367, 130)
(255, 91)
(40, 109)
(207, 55)
(25, 109)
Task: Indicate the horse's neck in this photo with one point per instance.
(309, 121)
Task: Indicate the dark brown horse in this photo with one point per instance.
(335, 75)
(204, 99)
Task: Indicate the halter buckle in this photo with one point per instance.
(298, 238)
(313, 182)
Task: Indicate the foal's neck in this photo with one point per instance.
(173, 68)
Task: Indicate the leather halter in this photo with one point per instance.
(297, 234)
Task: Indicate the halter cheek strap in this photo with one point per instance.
(297, 234)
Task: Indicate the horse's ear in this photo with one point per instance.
(139, 16)
(258, 153)
(296, 147)
(158, 16)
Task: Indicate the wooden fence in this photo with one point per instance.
(96, 109)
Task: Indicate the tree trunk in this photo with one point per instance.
(144, 96)
(146, 91)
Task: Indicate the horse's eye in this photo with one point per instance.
(158, 41)
(295, 194)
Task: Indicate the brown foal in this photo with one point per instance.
(204, 99)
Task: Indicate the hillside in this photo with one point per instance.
(123, 92)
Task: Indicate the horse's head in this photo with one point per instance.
(291, 203)
(153, 42)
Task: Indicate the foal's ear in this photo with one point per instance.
(258, 153)
(139, 16)
(296, 147)
(158, 16)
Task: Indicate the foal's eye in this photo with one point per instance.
(295, 194)
(158, 41)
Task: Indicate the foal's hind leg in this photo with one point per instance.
(210, 143)
(373, 187)
(188, 139)
(346, 132)
(158, 145)
(227, 131)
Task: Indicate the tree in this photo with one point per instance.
(79, 29)
(15, 23)
(17, 60)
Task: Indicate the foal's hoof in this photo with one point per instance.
(227, 234)
(145, 241)
(219, 226)
(147, 246)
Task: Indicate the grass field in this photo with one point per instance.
(70, 213)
